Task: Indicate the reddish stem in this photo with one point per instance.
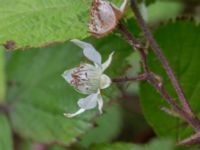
(125, 79)
(152, 79)
(157, 50)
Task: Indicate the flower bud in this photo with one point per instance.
(104, 17)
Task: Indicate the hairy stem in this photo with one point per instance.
(193, 121)
(157, 50)
(125, 79)
(135, 44)
(152, 79)
(194, 139)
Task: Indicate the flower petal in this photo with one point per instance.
(123, 6)
(67, 75)
(89, 102)
(107, 63)
(100, 103)
(70, 115)
(105, 81)
(89, 51)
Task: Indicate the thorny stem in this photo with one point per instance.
(194, 139)
(125, 79)
(135, 44)
(157, 50)
(152, 79)
(194, 122)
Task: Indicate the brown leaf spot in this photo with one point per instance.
(9, 45)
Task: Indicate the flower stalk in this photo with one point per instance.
(125, 79)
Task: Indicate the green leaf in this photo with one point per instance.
(180, 44)
(165, 144)
(56, 147)
(101, 134)
(2, 76)
(190, 1)
(25, 145)
(116, 146)
(35, 23)
(159, 11)
(147, 2)
(6, 135)
(39, 96)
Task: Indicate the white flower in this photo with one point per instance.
(88, 79)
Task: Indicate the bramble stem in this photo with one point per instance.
(194, 139)
(157, 50)
(152, 79)
(125, 79)
(193, 121)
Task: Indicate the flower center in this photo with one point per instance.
(86, 78)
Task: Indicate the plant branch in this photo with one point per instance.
(157, 50)
(125, 79)
(193, 121)
(135, 44)
(194, 139)
(171, 112)
(153, 80)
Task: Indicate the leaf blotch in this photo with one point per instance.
(9, 45)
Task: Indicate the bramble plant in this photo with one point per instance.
(136, 61)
